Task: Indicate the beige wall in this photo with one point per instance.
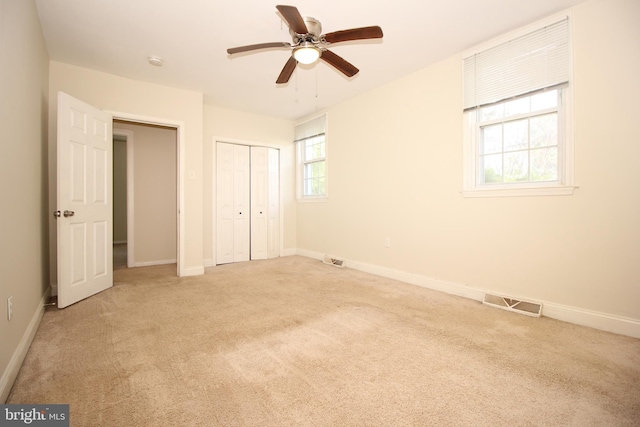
(154, 193)
(139, 99)
(395, 159)
(24, 215)
(235, 126)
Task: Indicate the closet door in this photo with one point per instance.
(232, 203)
(273, 222)
(241, 200)
(259, 201)
(265, 203)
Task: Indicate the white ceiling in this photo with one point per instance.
(117, 37)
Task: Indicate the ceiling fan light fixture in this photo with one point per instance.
(306, 53)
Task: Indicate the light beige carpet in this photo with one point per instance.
(294, 342)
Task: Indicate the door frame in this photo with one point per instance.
(180, 168)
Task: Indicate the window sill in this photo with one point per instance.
(559, 190)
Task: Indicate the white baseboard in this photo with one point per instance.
(193, 271)
(592, 319)
(210, 262)
(290, 252)
(151, 263)
(402, 276)
(423, 281)
(187, 271)
(309, 254)
(11, 372)
(578, 316)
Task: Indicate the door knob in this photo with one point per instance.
(68, 213)
(56, 214)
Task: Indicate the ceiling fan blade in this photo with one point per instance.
(293, 18)
(339, 63)
(374, 32)
(286, 72)
(251, 47)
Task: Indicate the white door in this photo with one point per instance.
(259, 201)
(224, 203)
(241, 202)
(273, 225)
(232, 203)
(84, 200)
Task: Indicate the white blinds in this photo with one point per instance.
(537, 60)
(311, 128)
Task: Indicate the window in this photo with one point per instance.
(517, 135)
(311, 147)
(314, 166)
(518, 140)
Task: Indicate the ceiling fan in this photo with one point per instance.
(309, 44)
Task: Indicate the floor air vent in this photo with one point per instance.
(333, 261)
(528, 308)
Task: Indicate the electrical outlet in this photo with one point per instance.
(9, 308)
(387, 242)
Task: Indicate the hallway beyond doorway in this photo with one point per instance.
(119, 256)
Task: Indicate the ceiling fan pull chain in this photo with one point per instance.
(295, 72)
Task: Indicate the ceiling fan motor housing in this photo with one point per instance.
(314, 29)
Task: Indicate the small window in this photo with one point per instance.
(517, 137)
(314, 166)
(311, 147)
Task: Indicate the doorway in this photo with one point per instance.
(145, 194)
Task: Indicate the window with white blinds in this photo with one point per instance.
(311, 128)
(517, 110)
(534, 61)
(311, 147)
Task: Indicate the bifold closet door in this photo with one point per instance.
(273, 223)
(259, 202)
(232, 201)
(265, 203)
